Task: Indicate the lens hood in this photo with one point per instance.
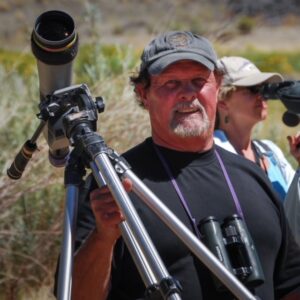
(54, 40)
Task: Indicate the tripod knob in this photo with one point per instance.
(17, 168)
(100, 104)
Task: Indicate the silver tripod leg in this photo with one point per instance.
(66, 258)
(145, 255)
(188, 238)
(135, 251)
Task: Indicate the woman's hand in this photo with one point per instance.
(294, 142)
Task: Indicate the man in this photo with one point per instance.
(178, 84)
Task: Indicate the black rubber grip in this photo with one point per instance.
(22, 158)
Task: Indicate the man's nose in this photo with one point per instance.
(188, 92)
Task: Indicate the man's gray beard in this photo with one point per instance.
(194, 131)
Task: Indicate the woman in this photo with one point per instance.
(240, 108)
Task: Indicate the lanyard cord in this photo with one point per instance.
(232, 191)
(178, 191)
(181, 197)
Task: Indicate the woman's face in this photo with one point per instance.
(245, 105)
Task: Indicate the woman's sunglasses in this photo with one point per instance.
(255, 89)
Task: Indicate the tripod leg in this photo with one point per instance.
(150, 265)
(66, 257)
(74, 172)
(137, 255)
(155, 290)
(192, 242)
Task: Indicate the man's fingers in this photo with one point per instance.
(127, 183)
(102, 193)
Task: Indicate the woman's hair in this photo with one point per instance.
(224, 93)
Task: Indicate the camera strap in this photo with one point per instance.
(182, 198)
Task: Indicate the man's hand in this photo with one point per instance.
(92, 265)
(294, 142)
(107, 213)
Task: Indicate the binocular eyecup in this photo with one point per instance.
(289, 93)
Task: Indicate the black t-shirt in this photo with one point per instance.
(203, 185)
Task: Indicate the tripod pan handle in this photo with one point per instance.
(17, 167)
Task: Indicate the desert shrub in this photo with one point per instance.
(22, 63)
(246, 24)
(97, 63)
(273, 62)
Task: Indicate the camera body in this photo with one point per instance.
(231, 243)
(64, 109)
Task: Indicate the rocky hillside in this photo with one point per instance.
(264, 24)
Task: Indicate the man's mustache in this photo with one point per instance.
(195, 104)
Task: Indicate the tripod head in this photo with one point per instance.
(63, 111)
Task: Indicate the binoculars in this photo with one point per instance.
(231, 243)
(289, 94)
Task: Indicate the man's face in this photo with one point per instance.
(182, 101)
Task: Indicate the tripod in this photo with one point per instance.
(107, 168)
(76, 116)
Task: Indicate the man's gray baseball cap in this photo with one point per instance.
(174, 46)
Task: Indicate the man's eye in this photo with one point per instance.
(199, 82)
(171, 84)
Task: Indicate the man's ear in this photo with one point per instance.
(142, 94)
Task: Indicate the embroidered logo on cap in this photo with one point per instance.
(247, 66)
(179, 40)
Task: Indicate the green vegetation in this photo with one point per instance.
(31, 209)
(246, 24)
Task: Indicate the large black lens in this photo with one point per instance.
(54, 26)
(53, 31)
(54, 39)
